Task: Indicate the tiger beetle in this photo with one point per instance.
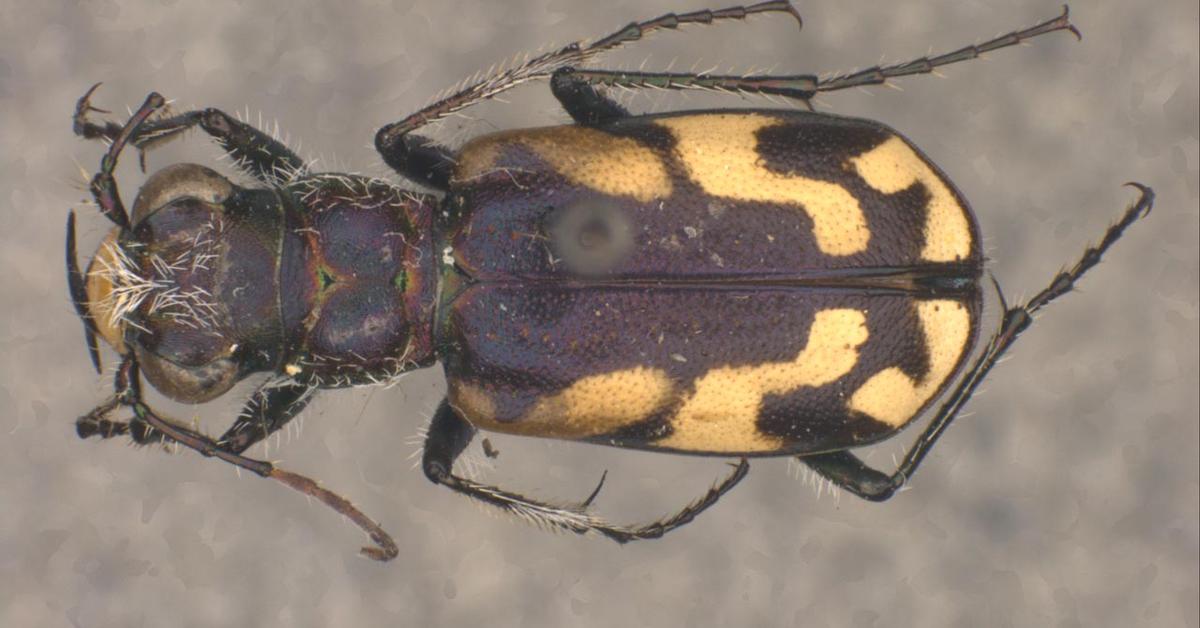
(728, 282)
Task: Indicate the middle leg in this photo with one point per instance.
(449, 435)
(804, 87)
(418, 157)
(582, 101)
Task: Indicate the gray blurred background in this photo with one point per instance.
(1069, 497)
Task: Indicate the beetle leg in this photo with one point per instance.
(103, 186)
(584, 104)
(848, 472)
(800, 87)
(420, 159)
(147, 425)
(268, 410)
(880, 75)
(390, 137)
(97, 423)
(449, 434)
(804, 87)
(255, 152)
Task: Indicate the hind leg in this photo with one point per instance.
(845, 470)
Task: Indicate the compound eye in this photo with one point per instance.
(180, 181)
(591, 237)
(186, 384)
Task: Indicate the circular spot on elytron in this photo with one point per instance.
(589, 238)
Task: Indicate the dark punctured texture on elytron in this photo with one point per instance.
(712, 282)
(721, 194)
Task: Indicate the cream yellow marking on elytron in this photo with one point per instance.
(478, 157)
(609, 164)
(893, 397)
(471, 401)
(593, 405)
(894, 166)
(720, 153)
(721, 415)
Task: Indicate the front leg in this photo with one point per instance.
(255, 152)
(148, 426)
(268, 409)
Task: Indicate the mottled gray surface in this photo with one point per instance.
(1069, 497)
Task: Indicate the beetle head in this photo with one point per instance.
(187, 287)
